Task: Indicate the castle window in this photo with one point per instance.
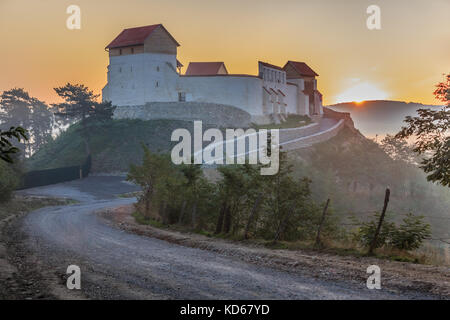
(132, 50)
(157, 68)
(120, 51)
(120, 69)
(182, 96)
(157, 84)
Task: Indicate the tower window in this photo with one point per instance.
(157, 84)
(182, 96)
(157, 68)
(120, 51)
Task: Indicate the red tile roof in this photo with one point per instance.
(302, 68)
(204, 68)
(268, 65)
(135, 36)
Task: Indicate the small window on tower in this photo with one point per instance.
(157, 84)
(157, 68)
(182, 96)
(120, 51)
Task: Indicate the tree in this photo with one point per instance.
(81, 105)
(155, 167)
(192, 173)
(6, 146)
(411, 233)
(431, 130)
(399, 149)
(18, 108)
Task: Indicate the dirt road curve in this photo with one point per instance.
(116, 264)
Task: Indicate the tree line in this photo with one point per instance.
(242, 204)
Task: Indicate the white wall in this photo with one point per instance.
(242, 92)
(291, 98)
(133, 79)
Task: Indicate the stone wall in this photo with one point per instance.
(209, 113)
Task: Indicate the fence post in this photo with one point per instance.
(322, 220)
(380, 222)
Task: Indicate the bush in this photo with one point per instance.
(408, 236)
(9, 180)
(411, 233)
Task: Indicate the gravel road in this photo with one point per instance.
(119, 265)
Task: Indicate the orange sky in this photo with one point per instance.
(403, 60)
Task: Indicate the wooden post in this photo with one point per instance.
(377, 232)
(322, 220)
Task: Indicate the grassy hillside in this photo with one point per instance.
(114, 144)
(350, 169)
(354, 172)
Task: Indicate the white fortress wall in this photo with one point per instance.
(140, 78)
(291, 99)
(244, 92)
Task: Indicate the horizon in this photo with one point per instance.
(361, 69)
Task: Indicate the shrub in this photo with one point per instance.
(9, 180)
(411, 233)
(408, 236)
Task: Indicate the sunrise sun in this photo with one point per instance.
(361, 92)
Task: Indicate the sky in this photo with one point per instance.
(401, 61)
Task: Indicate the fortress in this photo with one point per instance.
(144, 70)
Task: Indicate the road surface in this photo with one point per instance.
(119, 265)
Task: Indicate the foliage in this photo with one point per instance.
(411, 233)
(367, 232)
(18, 108)
(9, 179)
(80, 104)
(6, 146)
(431, 130)
(398, 149)
(407, 236)
(242, 202)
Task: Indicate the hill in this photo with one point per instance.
(354, 171)
(349, 168)
(115, 145)
(379, 116)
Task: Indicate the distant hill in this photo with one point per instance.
(380, 116)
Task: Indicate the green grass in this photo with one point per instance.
(134, 194)
(141, 219)
(114, 144)
(292, 121)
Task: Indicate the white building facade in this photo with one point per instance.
(143, 68)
